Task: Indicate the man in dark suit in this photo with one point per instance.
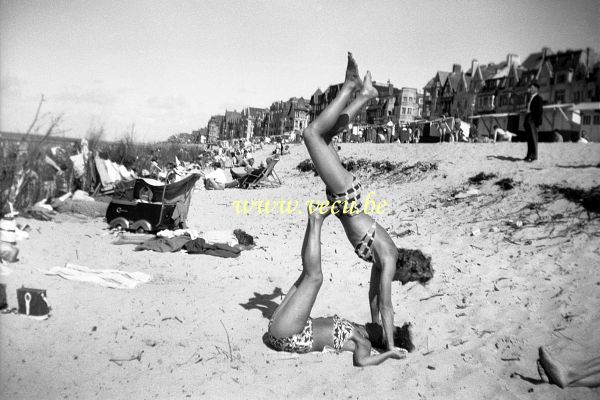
(533, 119)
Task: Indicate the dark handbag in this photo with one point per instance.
(32, 302)
(3, 303)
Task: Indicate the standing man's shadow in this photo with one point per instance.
(506, 158)
(264, 302)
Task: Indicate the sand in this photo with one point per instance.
(514, 270)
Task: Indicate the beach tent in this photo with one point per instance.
(589, 116)
(562, 117)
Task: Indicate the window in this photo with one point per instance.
(403, 112)
(587, 120)
(577, 97)
(596, 119)
(421, 100)
(403, 98)
(409, 111)
(559, 96)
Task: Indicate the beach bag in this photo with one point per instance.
(3, 303)
(32, 302)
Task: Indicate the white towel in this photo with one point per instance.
(111, 278)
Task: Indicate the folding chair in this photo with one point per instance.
(265, 177)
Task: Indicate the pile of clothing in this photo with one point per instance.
(225, 244)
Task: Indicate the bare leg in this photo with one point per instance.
(292, 314)
(586, 373)
(335, 117)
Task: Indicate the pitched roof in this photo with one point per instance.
(232, 116)
(429, 84)
(534, 60)
(566, 60)
(442, 76)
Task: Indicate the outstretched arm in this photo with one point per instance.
(374, 295)
(362, 353)
(386, 309)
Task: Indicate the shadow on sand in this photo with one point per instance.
(505, 158)
(264, 302)
(578, 166)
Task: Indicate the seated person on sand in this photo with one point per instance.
(126, 169)
(586, 373)
(216, 179)
(292, 329)
(370, 241)
(502, 135)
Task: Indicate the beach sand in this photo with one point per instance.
(500, 289)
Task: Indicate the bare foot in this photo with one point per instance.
(555, 371)
(368, 90)
(352, 75)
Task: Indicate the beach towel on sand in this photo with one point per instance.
(110, 278)
(164, 245)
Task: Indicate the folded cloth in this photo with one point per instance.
(167, 233)
(133, 238)
(213, 237)
(164, 245)
(111, 278)
(200, 246)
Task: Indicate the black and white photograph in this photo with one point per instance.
(261, 199)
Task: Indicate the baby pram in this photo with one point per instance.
(148, 205)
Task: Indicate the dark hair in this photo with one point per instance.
(128, 161)
(402, 336)
(534, 83)
(414, 265)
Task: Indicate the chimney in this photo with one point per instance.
(456, 68)
(474, 65)
(513, 59)
(587, 62)
(390, 88)
(545, 51)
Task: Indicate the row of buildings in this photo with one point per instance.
(572, 76)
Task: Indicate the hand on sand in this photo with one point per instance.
(398, 353)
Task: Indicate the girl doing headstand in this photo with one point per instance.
(370, 240)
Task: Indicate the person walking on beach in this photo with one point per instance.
(533, 119)
(370, 240)
(292, 329)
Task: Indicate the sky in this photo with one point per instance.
(165, 67)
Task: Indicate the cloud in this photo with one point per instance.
(78, 95)
(167, 103)
(12, 86)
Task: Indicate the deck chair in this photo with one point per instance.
(107, 184)
(262, 177)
